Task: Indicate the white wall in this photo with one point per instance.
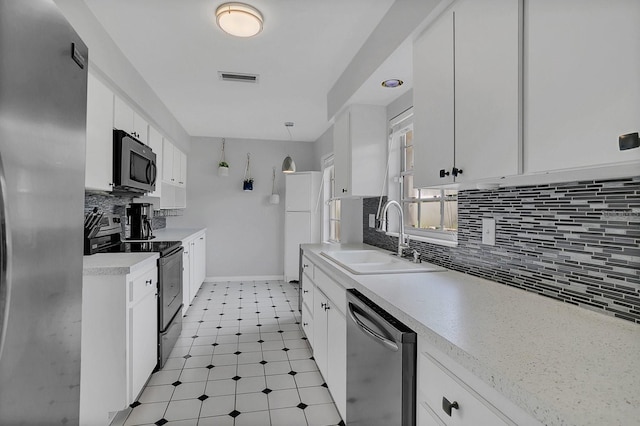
(245, 234)
(110, 65)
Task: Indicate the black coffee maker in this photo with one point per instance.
(139, 217)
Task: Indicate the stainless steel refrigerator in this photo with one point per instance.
(43, 96)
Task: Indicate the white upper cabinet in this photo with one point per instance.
(125, 118)
(582, 82)
(467, 90)
(99, 156)
(360, 150)
(155, 142)
(174, 177)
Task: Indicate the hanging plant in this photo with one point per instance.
(247, 183)
(275, 197)
(223, 166)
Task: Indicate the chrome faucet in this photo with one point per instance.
(402, 244)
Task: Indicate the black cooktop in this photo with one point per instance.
(162, 247)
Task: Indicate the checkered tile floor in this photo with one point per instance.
(241, 360)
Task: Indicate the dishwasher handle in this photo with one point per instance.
(389, 344)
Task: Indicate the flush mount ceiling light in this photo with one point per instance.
(239, 19)
(288, 165)
(392, 83)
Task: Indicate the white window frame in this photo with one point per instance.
(399, 127)
(328, 191)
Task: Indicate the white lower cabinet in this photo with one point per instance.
(448, 395)
(119, 340)
(194, 267)
(324, 322)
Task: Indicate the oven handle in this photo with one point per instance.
(389, 344)
(5, 261)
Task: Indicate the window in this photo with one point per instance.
(331, 212)
(428, 212)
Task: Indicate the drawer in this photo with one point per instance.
(307, 324)
(307, 290)
(334, 291)
(436, 383)
(143, 284)
(307, 267)
(426, 416)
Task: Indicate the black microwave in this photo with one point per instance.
(134, 164)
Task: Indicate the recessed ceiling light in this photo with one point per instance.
(239, 19)
(392, 82)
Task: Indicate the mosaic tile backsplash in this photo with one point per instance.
(117, 205)
(575, 242)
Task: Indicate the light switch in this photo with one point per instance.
(372, 221)
(489, 232)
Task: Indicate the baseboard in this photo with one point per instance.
(245, 278)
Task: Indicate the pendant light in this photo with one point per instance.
(288, 165)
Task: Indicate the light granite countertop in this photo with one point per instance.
(116, 263)
(562, 364)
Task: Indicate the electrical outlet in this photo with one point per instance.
(489, 232)
(372, 221)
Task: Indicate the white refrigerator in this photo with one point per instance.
(303, 213)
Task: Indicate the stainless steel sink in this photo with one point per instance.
(364, 262)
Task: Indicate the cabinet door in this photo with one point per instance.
(200, 264)
(297, 230)
(168, 199)
(99, 157)
(122, 116)
(176, 164)
(141, 128)
(180, 197)
(320, 331)
(155, 142)
(342, 155)
(186, 270)
(368, 134)
(581, 82)
(194, 266)
(183, 169)
(487, 88)
(143, 342)
(307, 324)
(433, 103)
(167, 162)
(298, 192)
(337, 358)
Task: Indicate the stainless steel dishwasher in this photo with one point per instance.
(381, 366)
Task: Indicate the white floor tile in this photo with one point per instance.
(281, 381)
(288, 417)
(220, 387)
(258, 418)
(309, 378)
(322, 415)
(315, 395)
(283, 398)
(248, 402)
(183, 410)
(217, 406)
(146, 413)
(156, 394)
(250, 385)
(188, 390)
(223, 320)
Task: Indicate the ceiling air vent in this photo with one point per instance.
(235, 76)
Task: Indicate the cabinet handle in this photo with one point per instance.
(202, 238)
(323, 305)
(149, 282)
(443, 173)
(326, 307)
(305, 324)
(305, 291)
(305, 266)
(344, 190)
(448, 406)
(456, 171)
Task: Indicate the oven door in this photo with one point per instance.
(134, 164)
(169, 287)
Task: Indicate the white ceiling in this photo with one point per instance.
(305, 46)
